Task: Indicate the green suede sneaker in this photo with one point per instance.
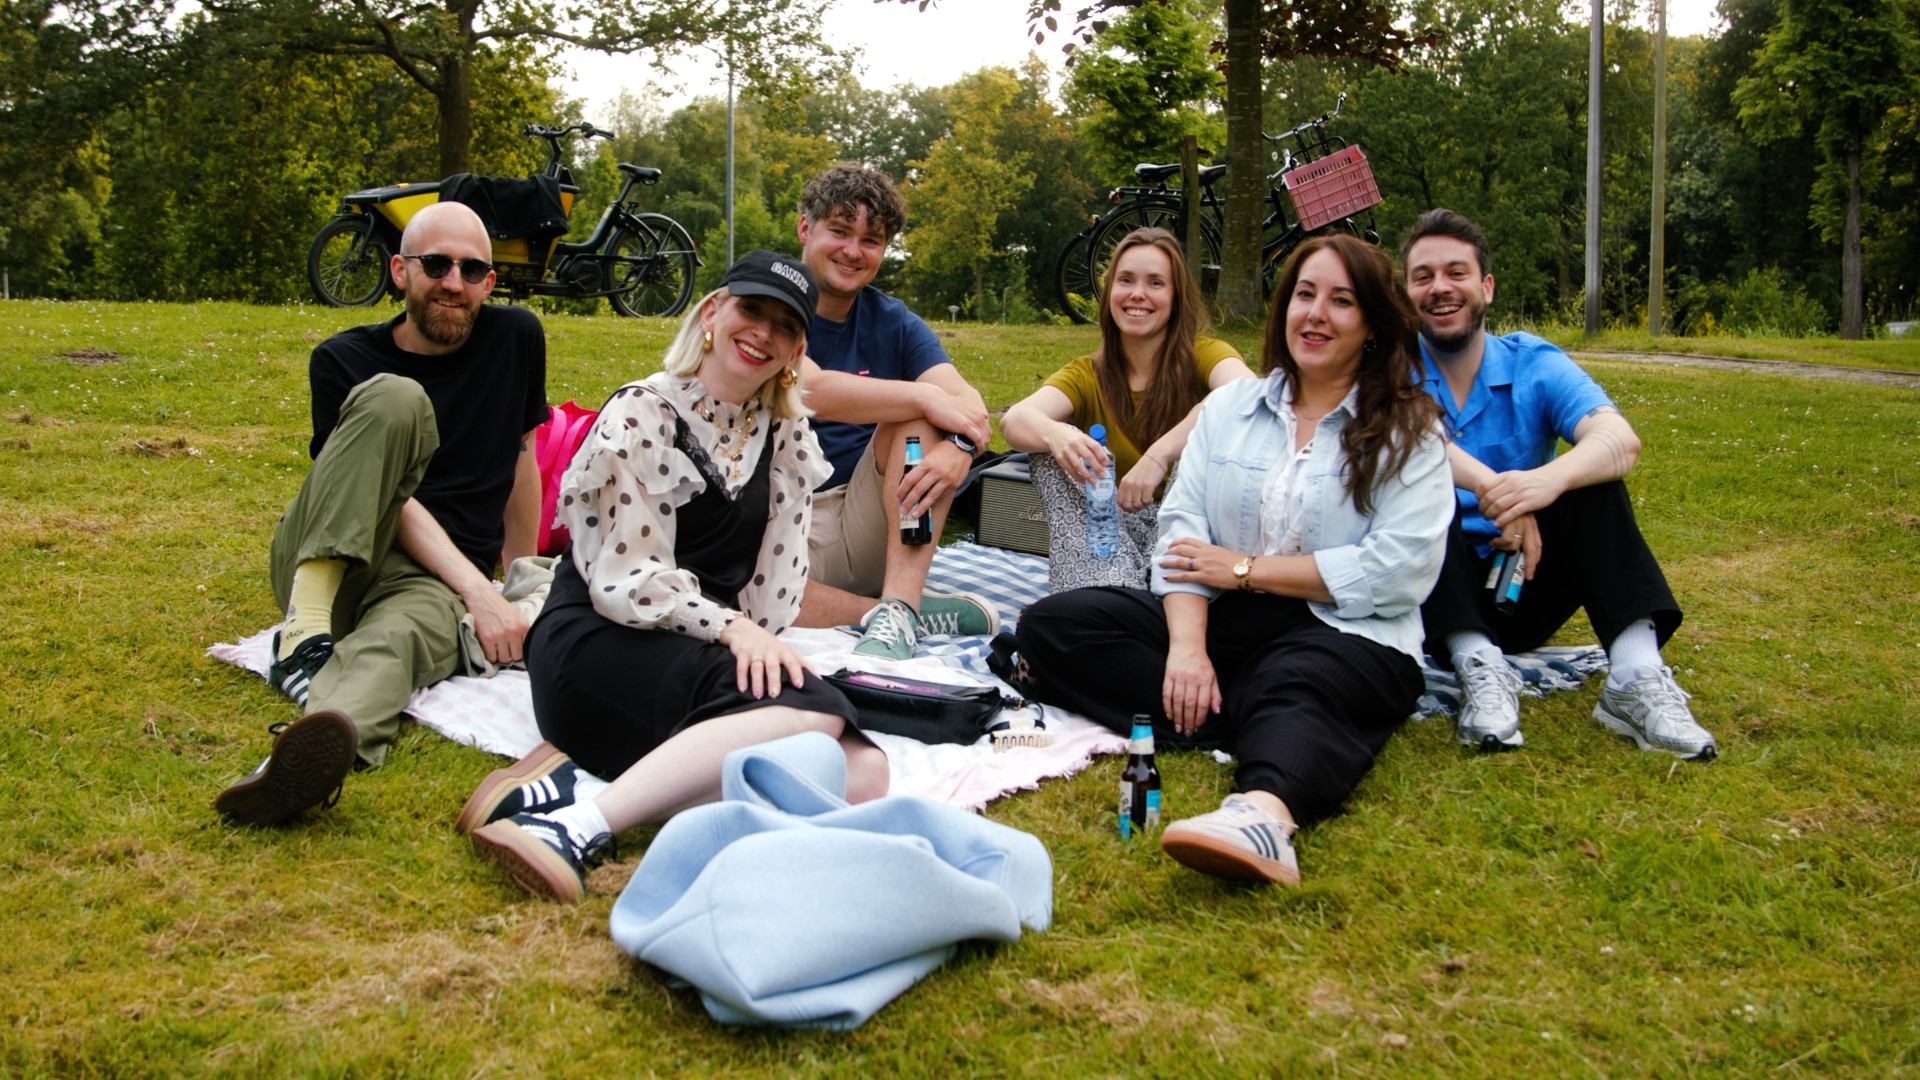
(960, 614)
(892, 631)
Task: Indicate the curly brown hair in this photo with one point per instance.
(1394, 413)
(1169, 394)
(846, 187)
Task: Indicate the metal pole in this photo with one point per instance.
(729, 150)
(1657, 243)
(1594, 50)
(1190, 201)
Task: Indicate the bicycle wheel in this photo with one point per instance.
(651, 271)
(1274, 254)
(347, 263)
(1074, 288)
(1138, 214)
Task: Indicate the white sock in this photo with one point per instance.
(583, 821)
(1637, 647)
(1472, 642)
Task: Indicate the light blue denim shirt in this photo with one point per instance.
(1379, 567)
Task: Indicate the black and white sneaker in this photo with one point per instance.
(541, 856)
(294, 675)
(310, 761)
(539, 783)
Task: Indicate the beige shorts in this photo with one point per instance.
(847, 543)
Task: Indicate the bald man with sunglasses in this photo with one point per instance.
(423, 481)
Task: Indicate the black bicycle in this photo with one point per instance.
(643, 263)
(1326, 183)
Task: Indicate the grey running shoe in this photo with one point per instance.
(892, 631)
(540, 855)
(1239, 840)
(539, 783)
(1489, 706)
(961, 614)
(1652, 711)
(310, 761)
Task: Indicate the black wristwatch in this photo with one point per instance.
(960, 441)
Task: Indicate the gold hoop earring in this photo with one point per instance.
(706, 341)
(788, 377)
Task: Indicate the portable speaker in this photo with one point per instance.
(1010, 512)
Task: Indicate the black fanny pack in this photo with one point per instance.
(927, 711)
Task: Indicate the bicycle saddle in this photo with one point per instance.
(641, 173)
(1155, 174)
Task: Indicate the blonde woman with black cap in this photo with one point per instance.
(658, 651)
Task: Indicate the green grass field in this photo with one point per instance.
(1576, 908)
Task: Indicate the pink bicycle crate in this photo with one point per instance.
(1332, 187)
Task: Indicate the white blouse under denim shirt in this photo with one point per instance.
(1379, 567)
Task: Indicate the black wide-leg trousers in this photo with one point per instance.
(1306, 707)
(1592, 556)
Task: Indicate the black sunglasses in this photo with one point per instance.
(472, 271)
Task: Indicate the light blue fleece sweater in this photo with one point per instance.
(784, 905)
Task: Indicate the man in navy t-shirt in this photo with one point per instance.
(423, 480)
(1509, 401)
(877, 375)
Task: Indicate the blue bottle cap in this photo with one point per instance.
(1099, 433)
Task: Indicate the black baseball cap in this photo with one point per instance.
(782, 277)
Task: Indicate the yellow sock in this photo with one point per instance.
(310, 610)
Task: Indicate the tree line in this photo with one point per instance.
(156, 155)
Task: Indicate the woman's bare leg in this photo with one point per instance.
(684, 771)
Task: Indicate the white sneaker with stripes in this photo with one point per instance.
(1239, 840)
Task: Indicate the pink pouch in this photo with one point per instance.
(555, 443)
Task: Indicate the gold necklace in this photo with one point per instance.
(749, 426)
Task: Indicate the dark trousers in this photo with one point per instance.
(1592, 556)
(1306, 707)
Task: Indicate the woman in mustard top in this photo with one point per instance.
(1144, 384)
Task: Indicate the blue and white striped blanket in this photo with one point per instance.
(1012, 580)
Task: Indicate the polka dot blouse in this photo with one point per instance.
(620, 496)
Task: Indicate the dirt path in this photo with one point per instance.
(1771, 367)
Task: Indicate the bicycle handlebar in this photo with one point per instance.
(1319, 121)
(584, 129)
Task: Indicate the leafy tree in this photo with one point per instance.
(440, 46)
(64, 69)
(964, 185)
(1145, 84)
(1833, 68)
(885, 129)
(1360, 30)
(223, 169)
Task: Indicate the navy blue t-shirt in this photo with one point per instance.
(486, 395)
(881, 339)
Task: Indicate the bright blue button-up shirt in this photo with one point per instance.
(1526, 397)
(1379, 566)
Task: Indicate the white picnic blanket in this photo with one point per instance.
(496, 714)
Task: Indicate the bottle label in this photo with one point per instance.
(1126, 809)
(1153, 812)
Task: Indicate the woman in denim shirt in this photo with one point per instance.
(1303, 530)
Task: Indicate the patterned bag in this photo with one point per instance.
(1069, 566)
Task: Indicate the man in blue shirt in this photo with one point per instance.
(1509, 400)
(877, 375)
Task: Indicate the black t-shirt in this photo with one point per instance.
(486, 395)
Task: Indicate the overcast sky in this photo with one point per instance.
(901, 44)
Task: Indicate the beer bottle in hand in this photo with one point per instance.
(914, 530)
(1140, 783)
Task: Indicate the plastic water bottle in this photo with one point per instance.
(1103, 513)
